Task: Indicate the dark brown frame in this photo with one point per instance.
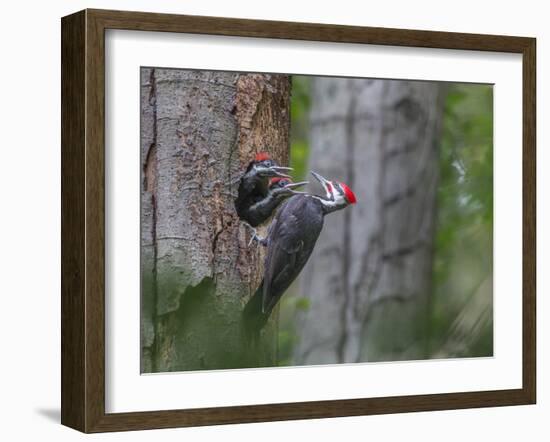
(83, 215)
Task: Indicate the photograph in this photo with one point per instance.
(241, 221)
(303, 220)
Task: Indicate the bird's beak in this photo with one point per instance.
(324, 182)
(274, 171)
(279, 169)
(292, 186)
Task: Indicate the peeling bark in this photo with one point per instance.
(369, 277)
(199, 130)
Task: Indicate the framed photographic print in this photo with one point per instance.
(269, 220)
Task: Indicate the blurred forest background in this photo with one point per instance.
(458, 319)
(404, 274)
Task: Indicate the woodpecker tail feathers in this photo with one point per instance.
(254, 319)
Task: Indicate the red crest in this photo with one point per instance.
(261, 156)
(276, 179)
(350, 196)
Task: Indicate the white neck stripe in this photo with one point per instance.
(325, 202)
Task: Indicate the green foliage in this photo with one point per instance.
(299, 159)
(302, 303)
(301, 100)
(290, 306)
(286, 341)
(299, 114)
(463, 243)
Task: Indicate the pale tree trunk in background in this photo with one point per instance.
(369, 279)
(199, 130)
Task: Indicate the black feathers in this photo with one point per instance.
(290, 242)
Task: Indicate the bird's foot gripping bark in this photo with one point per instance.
(256, 237)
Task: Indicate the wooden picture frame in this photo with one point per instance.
(83, 220)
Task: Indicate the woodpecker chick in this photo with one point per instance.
(254, 187)
(279, 190)
(290, 241)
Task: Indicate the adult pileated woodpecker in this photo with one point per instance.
(290, 240)
(254, 203)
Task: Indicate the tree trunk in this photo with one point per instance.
(199, 130)
(369, 279)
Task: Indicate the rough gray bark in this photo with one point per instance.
(199, 130)
(369, 277)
